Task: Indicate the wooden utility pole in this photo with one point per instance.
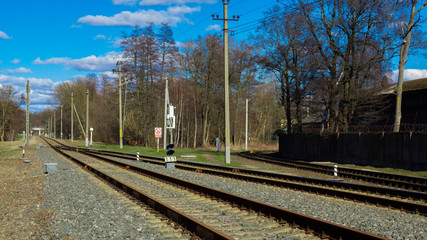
(226, 83)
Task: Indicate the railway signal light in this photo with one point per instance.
(169, 150)
(170, 159)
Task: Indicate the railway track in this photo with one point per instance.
(385, 179)
(409, 201)
(272, 219)
(405, 200)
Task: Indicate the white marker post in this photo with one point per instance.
(335, 171)
(137, 156)
(91, 131)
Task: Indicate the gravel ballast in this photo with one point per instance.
(85, 208)
(103, 214)
(376, 220)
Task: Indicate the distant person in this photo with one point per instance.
(218, 144)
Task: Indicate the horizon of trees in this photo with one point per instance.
(321, 61)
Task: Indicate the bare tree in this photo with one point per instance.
(414, 18)
(352, 38)
(9, 103)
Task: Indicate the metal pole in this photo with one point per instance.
(54, 124)
(51, 126)
(90, 138)
(61, 122)
(72, 116)
(120, 106)
(166, 113)
(246, 132)
(87, 119)
(27, 115)
(226, 96)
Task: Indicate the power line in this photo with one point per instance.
(246, 27)
(216, 12)
(198, 23)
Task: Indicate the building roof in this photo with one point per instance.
(411, 85)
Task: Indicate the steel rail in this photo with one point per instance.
(276, 179)
(319, 227)
(394, 180)
(397, 177)
(280, 180)
(189, 223)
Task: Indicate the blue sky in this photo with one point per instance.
(49, 42)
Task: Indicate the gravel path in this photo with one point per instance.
(85, 208)
(387, 223)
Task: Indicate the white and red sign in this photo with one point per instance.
(158, 132)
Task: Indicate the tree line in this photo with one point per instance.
(320, 61)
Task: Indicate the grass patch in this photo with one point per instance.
(202, 155)
(10, 151)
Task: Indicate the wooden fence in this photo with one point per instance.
(393, 150)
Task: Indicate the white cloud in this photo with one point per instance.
(172, 16)
(4, 35)
(125, 2)
(41, 88)
(100, 37)
(15, 61)
(409, 74)
(76, 26)
(168, 2)
(117, 42)
(21, 81)
(90, 63)
(19, 70)
(215, 27)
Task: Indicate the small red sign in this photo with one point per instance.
(158, 132)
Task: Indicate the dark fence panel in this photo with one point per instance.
(394, 150)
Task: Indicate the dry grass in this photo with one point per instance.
(21, 193)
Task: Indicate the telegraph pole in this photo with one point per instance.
(51, 126)
(54, 124)
(246, 132)
(61, 122)
(119, 63)
(27, 114)
(87, 119)
(72, 115)
(166, 112)
(226, 84)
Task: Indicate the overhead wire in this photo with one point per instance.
(201, 21)
(216, 12)
(253, 25)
